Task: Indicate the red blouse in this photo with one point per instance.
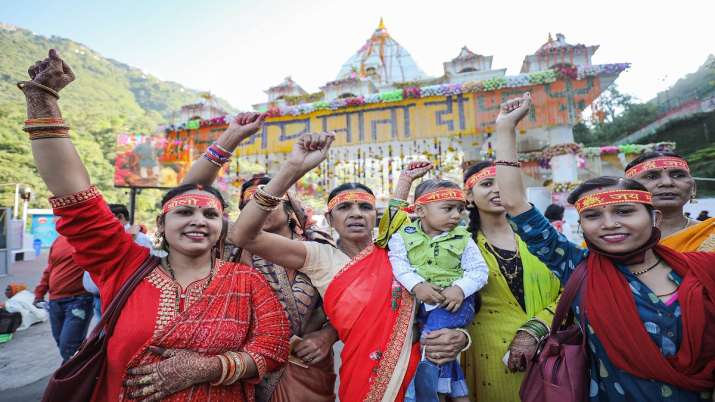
(110, 255)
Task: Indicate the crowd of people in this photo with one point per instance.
(428, 310)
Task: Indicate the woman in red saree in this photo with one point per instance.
(372, 313)
(195, 328)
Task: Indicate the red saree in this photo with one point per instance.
(238, 312)
(379, 358)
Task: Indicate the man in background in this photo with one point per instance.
(70, 304)
(121, 212)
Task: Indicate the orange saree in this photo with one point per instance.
(700, 237)
(379, 357)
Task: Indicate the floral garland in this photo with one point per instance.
(412, 91)
(564, 187)
(561, 149)
(216, 121)
(627, 149)
(566, 71)
(300, 99)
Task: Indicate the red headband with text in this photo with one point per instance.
(658, 163)
(441, 194)
(248, 193)
(192, 200)
(351, 196)
(485, 173)
(612, 197)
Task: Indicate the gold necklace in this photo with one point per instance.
(491, 248)
(509, 276)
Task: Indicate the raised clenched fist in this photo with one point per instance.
(51, 72)
(512, 111)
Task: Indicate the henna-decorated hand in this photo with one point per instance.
(181, 369)
(521, 351)
(512, 111)
(416, 169)
(52, 72)
(245, 125)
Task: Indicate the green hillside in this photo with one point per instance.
(108, 97)
(699, 84)
(693, 134)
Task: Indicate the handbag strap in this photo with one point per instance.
(572, 288)
(111, 314)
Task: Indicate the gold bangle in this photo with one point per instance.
(238, 368)
(265, 201)
(531, 333)
(271, 197)
(224, 371)
(469, 339)
(217, 145)
(44, 127)
(41, 135)
(243, 357)
(232, 369)
(24, 84)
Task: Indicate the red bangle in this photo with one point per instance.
(39, 135)
(508, 163)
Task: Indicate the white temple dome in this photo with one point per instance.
(382, 60)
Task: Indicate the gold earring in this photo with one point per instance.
(692, 198)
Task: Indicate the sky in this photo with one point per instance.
(237, 49)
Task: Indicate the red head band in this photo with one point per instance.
(612, 197)
(485, 173)
(351, 196)
(658, 163)
(442, 194)
(192, 200)
(248, 193)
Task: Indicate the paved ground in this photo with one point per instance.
(31, 356)
(29, 393)
(27, 272)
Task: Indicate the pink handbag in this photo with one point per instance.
(559, 370)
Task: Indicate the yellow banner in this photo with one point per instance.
(557, 103)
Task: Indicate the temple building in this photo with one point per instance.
(387, 111)
(556, 53)
(204, 108)
(381, 65)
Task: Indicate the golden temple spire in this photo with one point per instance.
(382, 25)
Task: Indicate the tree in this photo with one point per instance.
(613, 102)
